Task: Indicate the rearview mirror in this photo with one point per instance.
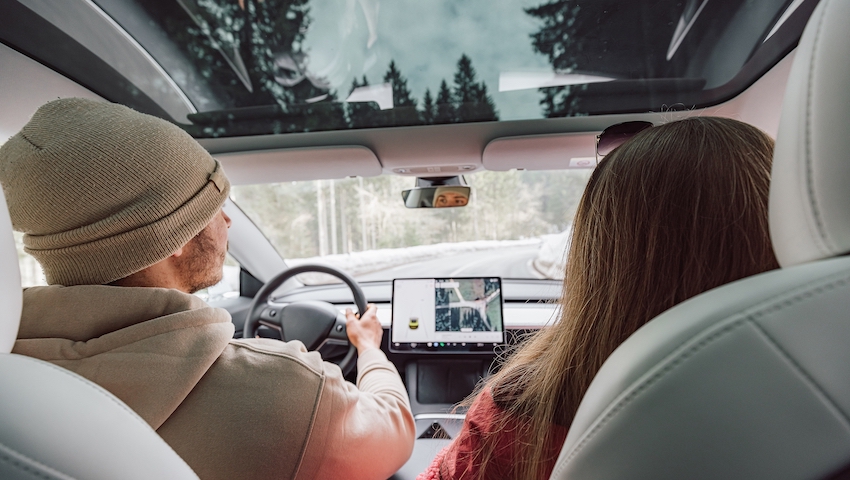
(436, 197)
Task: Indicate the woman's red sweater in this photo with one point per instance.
(457, 461)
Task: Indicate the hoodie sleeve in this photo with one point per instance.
(360, 432)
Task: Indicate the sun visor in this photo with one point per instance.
(295, 164)
(541, 152)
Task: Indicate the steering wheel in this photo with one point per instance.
(312, 321)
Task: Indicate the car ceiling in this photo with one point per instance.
(431, 150)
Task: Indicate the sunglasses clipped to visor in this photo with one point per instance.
(615, 135)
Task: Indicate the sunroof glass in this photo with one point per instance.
(279, 66)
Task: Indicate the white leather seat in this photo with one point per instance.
(55, 424)
(750, 380)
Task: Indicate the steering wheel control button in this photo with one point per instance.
(339, 328)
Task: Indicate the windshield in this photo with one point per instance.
(281, 66)
(515, 226)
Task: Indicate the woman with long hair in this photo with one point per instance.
(676, 210)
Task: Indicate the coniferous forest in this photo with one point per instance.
(247, 57)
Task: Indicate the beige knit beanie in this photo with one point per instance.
(101, 191)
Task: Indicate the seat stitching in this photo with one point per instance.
(821, 230)
(652, 380)
(15, 462)
(770, 308)
(802, 372)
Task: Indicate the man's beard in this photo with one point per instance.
(201, 264)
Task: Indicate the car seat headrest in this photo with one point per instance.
(810, 187)
(11, 295)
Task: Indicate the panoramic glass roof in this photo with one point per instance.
(278, 66)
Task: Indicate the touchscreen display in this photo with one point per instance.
(447, 315)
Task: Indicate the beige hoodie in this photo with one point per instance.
(230, 408)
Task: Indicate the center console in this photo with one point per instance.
(445, 332)
(435, 386)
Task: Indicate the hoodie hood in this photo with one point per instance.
(148, 346)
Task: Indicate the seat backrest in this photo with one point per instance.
(752, 379)
(57, 425)
(10, 282)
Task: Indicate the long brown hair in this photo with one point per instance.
(679, 209)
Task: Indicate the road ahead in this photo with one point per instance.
(511, 262)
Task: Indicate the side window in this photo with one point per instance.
(31, 273)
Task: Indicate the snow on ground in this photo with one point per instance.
(549, 262)
(362, 263)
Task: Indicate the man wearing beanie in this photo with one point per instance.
(123, 211)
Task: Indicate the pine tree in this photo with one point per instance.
(401, 94)
(235, 46)
(404, 105)
(363, 114)
(470, 98)
(484, 109)
(464, 81)
(429, 109)
(600, 36)
(328, 114)
(258, 30)
(446, 112)
(557, 40)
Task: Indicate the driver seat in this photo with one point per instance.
(752, 379)
(55, 424)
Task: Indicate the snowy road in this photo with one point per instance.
(510, 262)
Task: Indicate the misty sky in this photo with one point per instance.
(349, 38)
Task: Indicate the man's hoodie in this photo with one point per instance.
(230, 408)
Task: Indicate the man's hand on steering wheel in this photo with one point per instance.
(365, 331)
(312, 321)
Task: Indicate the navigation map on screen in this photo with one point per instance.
(447, 312)
(468, 305)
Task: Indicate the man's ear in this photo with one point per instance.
(178, 252)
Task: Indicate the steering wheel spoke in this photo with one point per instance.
(338, 331)
(270, 324)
